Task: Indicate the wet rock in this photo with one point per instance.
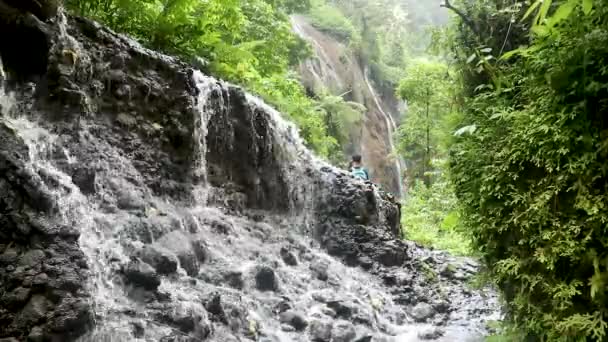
(319, 269)
(200, 250)
(34, 311)
(287, 328)
(288, 257)
(189, 262)
(365, 339)
(422, 312)
(138, 329)
(320, 331)
(341, 308)
(235, 279)
(162, 260)
(343, 331)
(36, 335)
(179, 243)
(430, 334)
(215, 308)
(266, 280)
(294, 319)
(141, 274)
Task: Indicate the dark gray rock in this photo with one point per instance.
(288, 257)
(162, 260)
(235, 279)
(200, 250)
(141, 274)
(431, 334)
(341, 308)
(320, 331)
(294, 319)
(343, 331)
(319, 270)
(266, 280)
(422, 312)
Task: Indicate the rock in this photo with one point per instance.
(34, 311)
(36, 335)
(214, 307)
(189, 262)
(430, 334)
(162, 260)
(141, 274)
(294, 319)
(266, 280)
(365, 339)
(319, 269)
(287, 328)
(366, 263)
(32, 258)
(17, 298)
(320, 331)
(200, 250)
(342, 309)
(180, 244)
(235, 279)
(138, 329)
(288, 257)
(422, 312)
(343, 331)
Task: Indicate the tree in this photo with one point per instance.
(426, 89)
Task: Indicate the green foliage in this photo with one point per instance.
(331, 20)
(532, 176)
(423, 136)
(430, 216)
(248, 42)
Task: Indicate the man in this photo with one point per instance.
(357, 170)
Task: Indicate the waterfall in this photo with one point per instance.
(391, 127)
(163, 267)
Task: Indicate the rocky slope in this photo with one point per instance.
(334, 67)
(144, 201)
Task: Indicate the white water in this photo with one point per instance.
(391, 127)
(104, 240)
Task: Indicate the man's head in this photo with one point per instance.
(357, 158)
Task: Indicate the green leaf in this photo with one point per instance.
(471, 58)
(531, 9)
(544, 9)
(470, 129)
(562, 12)
(587, 6)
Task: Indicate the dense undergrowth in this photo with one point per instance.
(532, 172)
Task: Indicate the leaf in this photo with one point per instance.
(562, 12)
(486, 50)
(471, 58)
(470, 129)
(544, 9)
(531, 9)
(587, 6)
(512, 53)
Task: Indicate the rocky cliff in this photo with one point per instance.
(144, 201)
(334, 67)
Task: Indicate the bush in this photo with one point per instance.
(332, 21)
(533, 177)
(430, 217)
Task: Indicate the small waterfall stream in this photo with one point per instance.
(391, 127)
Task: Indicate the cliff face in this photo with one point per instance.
(334, 67)
(144, 201)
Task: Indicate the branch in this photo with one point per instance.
(463, 16)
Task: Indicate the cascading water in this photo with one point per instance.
(168, 261)
(391, 127)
